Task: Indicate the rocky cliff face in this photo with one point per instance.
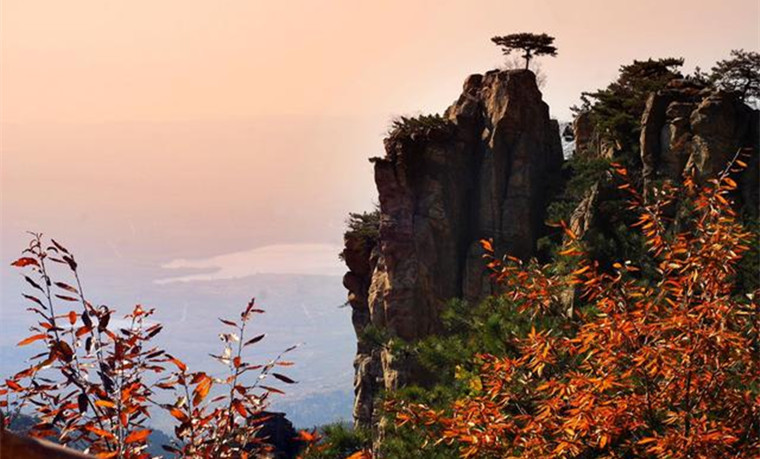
(685, 127)
(485, 169)
(589, 142)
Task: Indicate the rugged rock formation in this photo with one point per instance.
(685, 127)
(688, 128)
(485, 169)
(589, 142)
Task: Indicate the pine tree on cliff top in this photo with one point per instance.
(529, 43)
(739, 73)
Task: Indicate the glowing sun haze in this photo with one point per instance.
(105, 60)
(154, 130)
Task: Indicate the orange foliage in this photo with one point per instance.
(664, 365)
(94, 385)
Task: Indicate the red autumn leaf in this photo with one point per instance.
(100, 432)
(35, 299)
(25, 261)
(66, 287)
(228, 322)
(13, 385)
(202, 389)
(178, 363)
(283, 378)
(72, 317)
(178, 414)
(307, 436)
(34, 284)
(272, 389)
(137, 436)
(237, 405)
(31, 339)
(360, 455)
(255, 339)
(63, 350)
(59, 246)
(105, 403)
(66, 298)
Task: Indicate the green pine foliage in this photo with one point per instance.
(584, 172)
(615, 113)
(616, 110)
(364, 226)
(339, 440)
(423, 126)
(469, 330)
(740, 73)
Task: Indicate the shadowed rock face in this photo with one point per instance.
(484, 170)
(685, 129)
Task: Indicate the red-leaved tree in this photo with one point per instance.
(94, 383)
(662, 365)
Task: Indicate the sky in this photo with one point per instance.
(262, 113)
(168, 60)
(188, 143)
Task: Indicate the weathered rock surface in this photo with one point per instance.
(689, 129)
(484, 170)
(684, 128)
(589, 142)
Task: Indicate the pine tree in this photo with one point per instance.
(531, 45)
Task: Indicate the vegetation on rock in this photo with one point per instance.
(740, 73)
(530, 44)
(420, 127)
(363, 227)
(651, 366)
(616, 110)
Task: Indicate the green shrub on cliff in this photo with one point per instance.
(469, 330)
(740, 73)
(616, 110)
(338, 441)
(363, 227)
(584, 172)
(423, 126)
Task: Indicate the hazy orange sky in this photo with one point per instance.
(168, 60)
(184, 128)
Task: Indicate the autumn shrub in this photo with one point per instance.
(660, 364)
(97, 381)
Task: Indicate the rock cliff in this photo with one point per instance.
(485, 169)
(685, 127)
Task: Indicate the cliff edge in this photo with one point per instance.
(485, 169)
